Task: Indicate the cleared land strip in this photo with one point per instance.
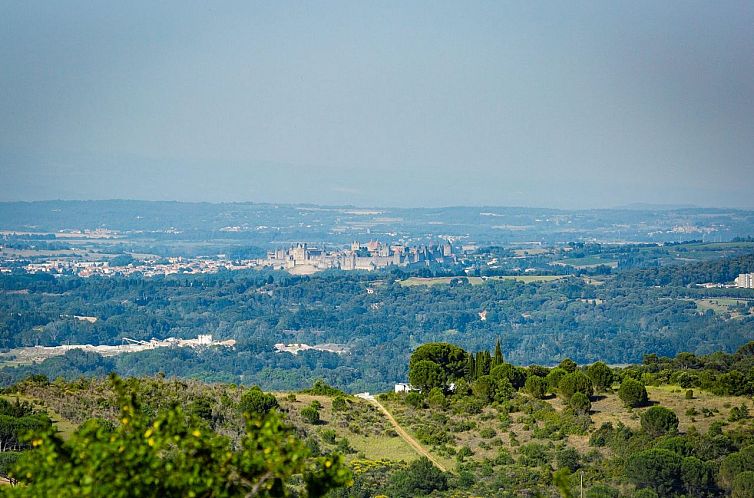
(402, 432)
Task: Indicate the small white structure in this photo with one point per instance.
(404, 388)
(204, 340)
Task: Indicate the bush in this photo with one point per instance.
(734, 464)
(436, 398)
(573, 383)
(567, 458)
(329, 436)
(658, 421)
(420, 478)
(414, 399)
(254, 401)
(170, 454)
(690, 394)
(602, 491)
(339, 404)
(536, 386)
(487, 433)
(743, 485)
(503, 457)
(632, 393)
(601, 375)
(645, 493)
(310, 414)
(533, 455)
(568, 365)
(321, 388)
(580, 403)
(738, 413)
(554, 377)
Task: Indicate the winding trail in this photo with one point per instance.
(402, 432)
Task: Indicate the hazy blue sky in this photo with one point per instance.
(562, 104)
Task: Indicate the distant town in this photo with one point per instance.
(300, 259)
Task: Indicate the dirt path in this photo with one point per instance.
(402, 432)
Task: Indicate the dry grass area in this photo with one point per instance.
(487, 432)
(609, 408)
(367, 430)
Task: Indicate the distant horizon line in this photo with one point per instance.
(635, 206)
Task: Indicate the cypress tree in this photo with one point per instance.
(498, 360)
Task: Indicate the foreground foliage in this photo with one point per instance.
(173, 454)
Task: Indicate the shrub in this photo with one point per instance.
(568, 365)
(487, 433)
(567, 458)
(573, 383)
(632, 393)
(414, 399)
(690, 394)
(645, 493)
(436, 398)
(658, 421)
(554, 377)
(738, 413)
(734, 464)
(536, 386)
(743, 485)
(310, 414)
(601, 375)
(464, 452)
(580, 403)
(503, 457)
(602, 491)
(254, 401)
(420, 478)
(321, 388)
(533, 455)
(339, 404)
(171, 454)
(329, 436)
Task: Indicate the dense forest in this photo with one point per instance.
(377, 316)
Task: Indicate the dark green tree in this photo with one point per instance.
(419, 479)
(633, 393)
(697, 477)
(575, 382)
(657, 469)
(601, 376)
(449, 357)
(580, 403)
(658, 421)
(426, 374)
(497, 359)
(568, 365)
(536, 386)
(256, 402)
